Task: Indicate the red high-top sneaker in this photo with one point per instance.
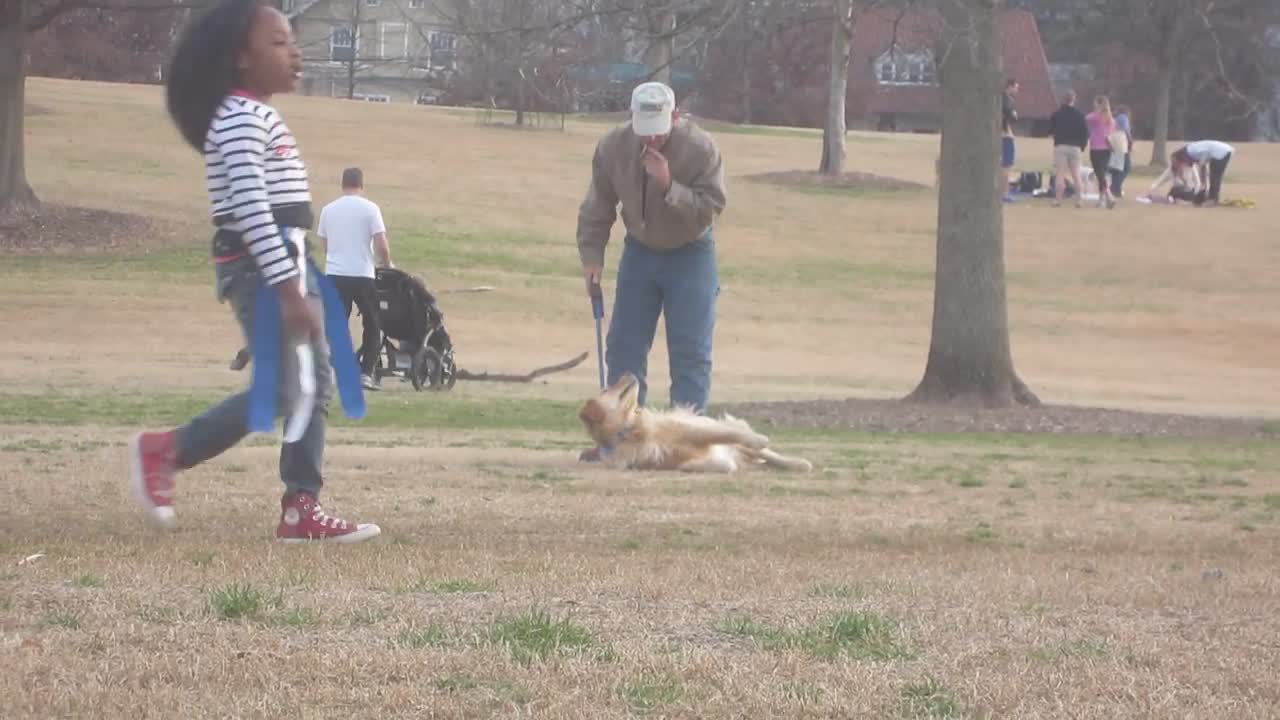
(302, 520)
(153, 458)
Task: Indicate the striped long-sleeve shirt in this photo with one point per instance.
(253, 167)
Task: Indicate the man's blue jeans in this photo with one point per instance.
(682, 286)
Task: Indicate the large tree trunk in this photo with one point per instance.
(15, 193)
(522, 90)
(662, 39)
(747, 37)
(521, 100)
(969, 356)
(1180, 105)
(1160, 135)
(1175, 27)
(833, 133)
(355, 50)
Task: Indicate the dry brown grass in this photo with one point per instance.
(1027, 577)
(1082, 580)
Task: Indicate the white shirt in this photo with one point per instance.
(1208, 149)
(348, 225)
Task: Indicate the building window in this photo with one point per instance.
(900, 67)
(342, 45)
(444, 50)
(394, 40)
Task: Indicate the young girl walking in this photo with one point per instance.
(226, 67)
(1101, 124)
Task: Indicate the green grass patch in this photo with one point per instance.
(416, 638)
(367, 616)
(299, 617)
(159, 614)
(858, 635)
(651, 692)
(405, 411)
(61, 618)
(502, 692)
(187, 261)
(445, 251)
(929, 700)
(981, 533)
(1069, 650)
(88, 581)
(861, 278)
(445, 587)
(803, 693)
(535, 636)
(242, 600)
(203, 558)
(842, 591)
(421, 246)
(456, 683)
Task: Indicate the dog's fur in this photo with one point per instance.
(636, 438)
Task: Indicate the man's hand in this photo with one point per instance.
(300, 320)
(655, 163)
(591, 273)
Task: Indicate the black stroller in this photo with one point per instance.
(415, 343)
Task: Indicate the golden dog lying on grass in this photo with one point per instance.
(636, 438)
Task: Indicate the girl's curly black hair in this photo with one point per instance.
(203, 69)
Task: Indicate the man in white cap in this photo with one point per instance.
(666, 174)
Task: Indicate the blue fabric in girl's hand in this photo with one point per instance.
(266, 343)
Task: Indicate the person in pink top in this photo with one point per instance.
(1101, 124)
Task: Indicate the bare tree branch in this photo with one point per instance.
(44, 13)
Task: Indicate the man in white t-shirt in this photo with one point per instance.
(1215, 155)
(353, 231)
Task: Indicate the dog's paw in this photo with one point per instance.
(756, 441)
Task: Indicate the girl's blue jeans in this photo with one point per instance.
(222, 426)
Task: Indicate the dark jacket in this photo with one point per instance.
(1008, 114)
(1068, 127)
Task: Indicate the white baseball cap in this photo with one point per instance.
(651, 106)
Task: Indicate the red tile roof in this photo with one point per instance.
(873, 32)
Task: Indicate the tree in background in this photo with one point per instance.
(18, 20)
(970, 359)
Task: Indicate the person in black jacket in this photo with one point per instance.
(1070, 137)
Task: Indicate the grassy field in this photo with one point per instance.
(913, 575)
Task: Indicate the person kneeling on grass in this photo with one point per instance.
(227, 65)
(1187, 183)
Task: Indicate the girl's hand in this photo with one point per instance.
(300, 320)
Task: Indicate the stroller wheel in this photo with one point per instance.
(427, 368)
(450, 374)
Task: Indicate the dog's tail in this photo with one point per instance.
(773, 459)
